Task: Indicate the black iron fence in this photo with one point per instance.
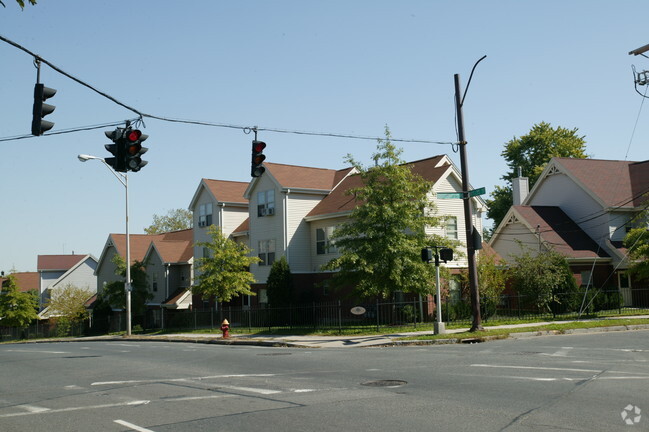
(367, 316)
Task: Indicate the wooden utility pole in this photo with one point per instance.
(468, 211)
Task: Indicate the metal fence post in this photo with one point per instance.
(378, 313)
(340, 318)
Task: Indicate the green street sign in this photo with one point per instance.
(459, 195)
(476, 192)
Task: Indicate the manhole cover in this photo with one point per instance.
(385, 383)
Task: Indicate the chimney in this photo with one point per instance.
(520, 188)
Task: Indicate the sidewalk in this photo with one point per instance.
(315, 341)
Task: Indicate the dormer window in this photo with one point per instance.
(266, 203)
(205, 215)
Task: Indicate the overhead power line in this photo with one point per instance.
(195, 122)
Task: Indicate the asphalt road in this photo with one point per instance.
(572, 382)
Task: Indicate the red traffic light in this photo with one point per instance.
(258, 146)
(133, 135)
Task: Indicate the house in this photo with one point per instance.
(58, 271)
(26, 281)
(168, 259)
(293, 211)
(582, 208)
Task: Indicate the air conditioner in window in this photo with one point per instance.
(270, 211)
(264, 212)
(201, 223)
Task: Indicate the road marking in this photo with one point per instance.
(101, 383)
(33, 409)
(132, 426)
(73, 387)
(251, 390)
(51, 411)
(563, 352)
(537, 368)
(41, 352)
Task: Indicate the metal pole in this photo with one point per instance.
(127, 284)
(439, 327)
(468, 213)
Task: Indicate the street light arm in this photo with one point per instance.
(118, 176)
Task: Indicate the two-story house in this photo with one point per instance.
(58, 271)
(582, 208)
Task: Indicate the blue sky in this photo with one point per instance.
(348, 67)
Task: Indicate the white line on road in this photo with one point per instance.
(52, 411)
(33, 409)
(132, 426)
(40, 352)
(101, 383)
(537, 368)
(251, 390)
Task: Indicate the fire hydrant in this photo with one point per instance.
(225, 328)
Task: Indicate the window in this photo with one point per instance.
(205, 215)
(323, 242)
(154, 286)
(451, 227)
(266, 203)
(266, 252)
(585, 278)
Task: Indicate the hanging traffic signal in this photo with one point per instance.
(117, 149)
(40, 109)
(133, 149)
(258, 158)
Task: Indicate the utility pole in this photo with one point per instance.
(468, 211)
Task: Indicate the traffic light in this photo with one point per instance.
(117, 149)
(40, 110)
(446, 254)
(258, 158)
(427, 255)
(133, 145)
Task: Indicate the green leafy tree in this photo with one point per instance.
(174, 220)
(531, 153)
(280, 284)
(21, 3)
(17, 309)
(380, 245)
(545, 280)
(224, 273)
(114, 293)
(637, 242)
(69, 302)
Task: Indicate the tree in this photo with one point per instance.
(280, 284)
(637, 241)
(21, 3)
(17, 309)
(380, 245)
(224, 272)
(531, 153)
(69, 303)
(545, 280)
(114, 293)
(493, 280)
(174, 220)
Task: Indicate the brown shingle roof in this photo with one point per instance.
(616, 183)
(58, 262)
(560, 232)
(177, 245)
(245, 226)
(305, 177)
(26, 281)
(339, 201)
(227, 191)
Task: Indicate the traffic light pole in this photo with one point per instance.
(127, 283)
(468, 211)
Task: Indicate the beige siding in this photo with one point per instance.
(317, 261)
(511, 237)
(299, 235)
(106, 273)
(231, 217)
(155, 272)
(265, 227)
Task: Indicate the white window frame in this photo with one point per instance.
(205, 212)
(450, 227)
(266, 252)
(323, 242)
(266, 203)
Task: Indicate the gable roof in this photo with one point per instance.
(223, 191)
(140, 243)
(242, 229)
(621, 184)
(292, 176)
(177, 249)
(26, 281)
(338, 201)
(58, 262)
(559, 231)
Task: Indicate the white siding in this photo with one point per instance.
(511, 237)
(266, 227)
(155, 271)
(106, 273)
(200, 233)
(231, 217)
(317, 261)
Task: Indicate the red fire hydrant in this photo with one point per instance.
(225, 328)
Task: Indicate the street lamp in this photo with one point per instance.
(123, 179)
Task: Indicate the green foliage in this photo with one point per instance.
(68, 303)
(280, 284)
(21, 3)
(114, 293)
(17, 309)
(637, 241)
(532, 152)
(381, 242)
(224, 273)
(545, 280)
(174, 220)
